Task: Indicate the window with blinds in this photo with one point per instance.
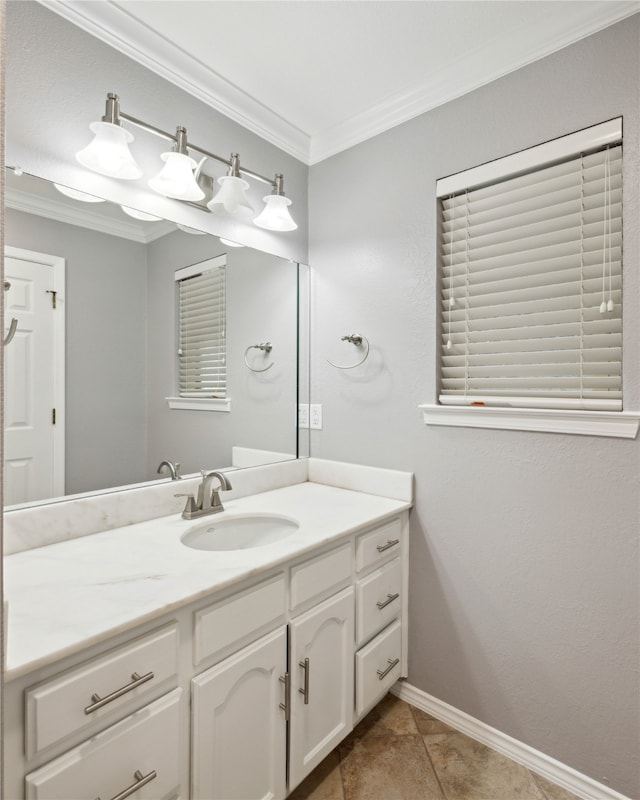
(531, 282)
(202, 370)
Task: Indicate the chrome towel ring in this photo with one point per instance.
(357, 339)
(265, 347)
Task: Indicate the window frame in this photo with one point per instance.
(618, 423)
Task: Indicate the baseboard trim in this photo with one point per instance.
(554, 771)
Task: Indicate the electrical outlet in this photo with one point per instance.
(303, 415)
(315, 416)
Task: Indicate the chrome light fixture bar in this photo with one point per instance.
(180, 178)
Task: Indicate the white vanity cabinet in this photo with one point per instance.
(251, 687)
(321, 664)
(239, 724)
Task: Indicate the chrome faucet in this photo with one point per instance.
(174, 470)
(208, 501)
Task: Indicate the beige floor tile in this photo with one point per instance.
(391, 717)
(551, 791)
(468, 770)
(428, 724)
(388, 767)
(324, 783)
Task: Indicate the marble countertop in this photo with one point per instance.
(71, 594)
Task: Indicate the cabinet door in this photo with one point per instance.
(239, 729)
(321, 666)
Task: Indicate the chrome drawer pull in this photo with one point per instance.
(391, 543)
(99, 702)
(285, 706)
(141, 780)
(305, 666)
(390, 599)
(392, 662)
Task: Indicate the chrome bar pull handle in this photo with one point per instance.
(141, 780)
(286, 679)
(305, 691)
(391, 543)
(390, 599)
(99, 702)
(392, 662)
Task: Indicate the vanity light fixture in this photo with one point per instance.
(108, 153)
(179, 179)
(276, 216)
(232, 195)
(229, 243)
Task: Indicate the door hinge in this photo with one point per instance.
(53, 416)
(53, 297)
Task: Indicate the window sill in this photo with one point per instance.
(200, 403)
(616, 424)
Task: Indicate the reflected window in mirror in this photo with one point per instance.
(202, 358)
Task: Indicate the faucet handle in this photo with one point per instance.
(190, 507)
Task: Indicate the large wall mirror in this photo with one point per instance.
(94, 293)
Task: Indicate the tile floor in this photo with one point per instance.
(400, 753)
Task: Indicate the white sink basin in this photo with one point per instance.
(239, 533)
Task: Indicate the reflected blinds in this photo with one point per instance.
(531, 283)
(202, 330)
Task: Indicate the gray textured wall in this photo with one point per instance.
(524, 547)
(105, 303)
(57, 81)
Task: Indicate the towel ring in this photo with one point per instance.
(14, 322)
(266, 347)
(357, 339)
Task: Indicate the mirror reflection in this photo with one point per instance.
(93, 396)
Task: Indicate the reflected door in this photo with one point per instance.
(33, 378)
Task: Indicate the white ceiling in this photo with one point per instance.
(317, 76)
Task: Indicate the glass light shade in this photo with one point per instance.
(275, 216)
(75, 194)
(176, 178)
(109, 153)
(133, 212)
(229, 243)
(232, 198)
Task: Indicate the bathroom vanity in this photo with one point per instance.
(140, 666)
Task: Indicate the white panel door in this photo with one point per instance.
(34, 378)
(239, 744)
(322, 669)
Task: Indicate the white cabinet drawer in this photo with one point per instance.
(239, 619)
(320, 577)
(144, 745)
(72, 702)
(378, 600)
(378, 667)
(378, 545)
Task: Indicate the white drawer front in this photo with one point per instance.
(378, 600)
(116, 759)
(378, 667)
(65, 704)
(319, 577)
(378, 545)
(231, 623)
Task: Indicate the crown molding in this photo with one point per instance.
(59, 211)
(466, 73)
(116, 27)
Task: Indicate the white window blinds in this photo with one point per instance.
(202, 329)
(531, 288)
